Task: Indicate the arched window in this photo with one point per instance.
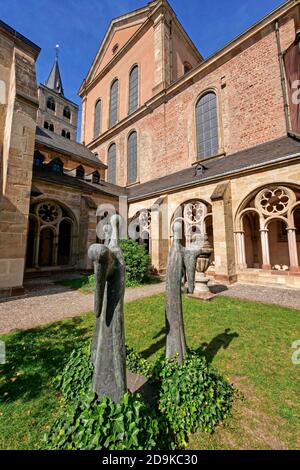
(132, 158)
(67, 112)
(112, 164)
(57, 165)
(97, 119)
(38, 159)
(63, 133)
(133, 89)
(51, 103)
(46, 125)
(207, 126)
(80, 172)
(51, 127)
(114, 103)
(68, 135)
(96, 177)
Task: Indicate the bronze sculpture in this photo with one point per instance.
(180, 260)
(108, 348)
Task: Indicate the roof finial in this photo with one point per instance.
(57, 51)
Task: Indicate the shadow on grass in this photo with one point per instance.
(209, 350)
(156, 346)
(34, 357)
(221, 341)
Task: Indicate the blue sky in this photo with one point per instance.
(79, 25)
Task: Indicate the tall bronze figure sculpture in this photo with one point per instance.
(108, 348)
(181, 260)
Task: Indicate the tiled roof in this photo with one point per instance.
(67, 147)
(268, 153)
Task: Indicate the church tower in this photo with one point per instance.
(56, 113)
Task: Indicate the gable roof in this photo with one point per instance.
(67, 147)
(138, 16)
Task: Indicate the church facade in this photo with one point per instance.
(215, 141)
(165, 134)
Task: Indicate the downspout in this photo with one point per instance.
(282, 78)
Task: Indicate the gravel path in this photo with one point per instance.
(267, 295)
(46, 302)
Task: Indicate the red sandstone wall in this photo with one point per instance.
(251, 111)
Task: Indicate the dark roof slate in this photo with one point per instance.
(225, 166)
(44, 174)
(67, 147)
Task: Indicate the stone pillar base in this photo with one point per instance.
(266, 267)
(12, 292)
(205, 296)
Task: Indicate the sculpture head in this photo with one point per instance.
(116, 223)
(107, 233)
(177, 230)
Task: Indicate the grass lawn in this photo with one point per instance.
(249, 343)
(86, 284)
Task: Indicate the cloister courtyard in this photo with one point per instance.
(248, 341)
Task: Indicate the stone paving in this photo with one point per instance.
(46, 302)
(269, 295)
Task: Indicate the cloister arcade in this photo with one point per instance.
(267, 229)
(52, 236)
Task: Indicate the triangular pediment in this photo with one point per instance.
(120, 31)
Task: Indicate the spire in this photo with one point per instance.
(54, 81)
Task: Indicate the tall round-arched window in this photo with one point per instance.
(112, 164)
(51, 103)
(97, 119)
(132, 158)
(114, 103)
(207, 126)
(133, 89)
(67, 112)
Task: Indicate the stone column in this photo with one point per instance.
(159, 234)
(264, 235)
(224, 246)
(240, 249)
(292, 241)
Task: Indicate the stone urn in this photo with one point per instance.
(203, 263)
